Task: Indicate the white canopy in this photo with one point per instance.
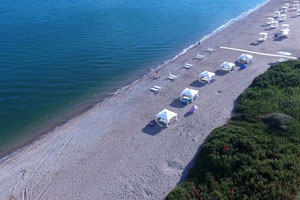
(274, 24)
(189, 92)
(227, 66)
(277, 14)
(284, 32)
(270, 20)
(262, 36)
(282, 17)
(245, 58)
(285, 26)
(166, 116)
(207, 76)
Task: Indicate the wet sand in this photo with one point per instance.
(109, 152)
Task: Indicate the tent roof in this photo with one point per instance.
(166, 115)
(247, 56)
(227, 64)
(263, 33)
(189, 92)
(207, 74)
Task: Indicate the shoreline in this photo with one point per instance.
(46, 127)
(109, 152)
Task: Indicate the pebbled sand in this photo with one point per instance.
(109, 153)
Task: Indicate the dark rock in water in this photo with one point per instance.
(276, 120)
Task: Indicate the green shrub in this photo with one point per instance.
(257, 154)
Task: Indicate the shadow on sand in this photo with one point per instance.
(152, 130)
(188, 114)
(177, 104)
(278, 39)
(197, 84)
(221, 73)
(238, 64)
(255, 43)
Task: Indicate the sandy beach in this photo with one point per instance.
(109, 152)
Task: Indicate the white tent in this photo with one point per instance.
(190, 93)
(227, 66)
(284, 32)
(277, 14)
(262, 36)
(287, 5)
(207, 76)
(270, 20)
(274, 24)
(166, 117)
(245, 58)
(283, 9)
(282, 17)
(295, 6)
(285, 26)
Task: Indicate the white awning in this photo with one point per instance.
(207, 76)
(166, 116)
(189, 92)
(227, 66)
(245, 58)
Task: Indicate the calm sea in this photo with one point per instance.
(55, 54)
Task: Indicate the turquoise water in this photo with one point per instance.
(55, 54)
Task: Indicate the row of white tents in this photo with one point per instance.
(166, 116)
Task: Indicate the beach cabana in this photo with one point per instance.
(245, 58)
(270, 20)
(207, 76)
(165, 117)
(297, 13)
(277, 14)
(285, 26)
(188, 95)
(283, 9)
(295, 7)
(227, 66)
(262, 37)
(282, 18)
(286, 5)
(274, 24)
(284, 33)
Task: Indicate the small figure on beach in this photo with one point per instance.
(199, 43)
(156, 74)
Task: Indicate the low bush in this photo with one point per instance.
(257, 154)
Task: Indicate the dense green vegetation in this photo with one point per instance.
(257, 154)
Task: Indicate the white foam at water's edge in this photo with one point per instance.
(219, 29)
